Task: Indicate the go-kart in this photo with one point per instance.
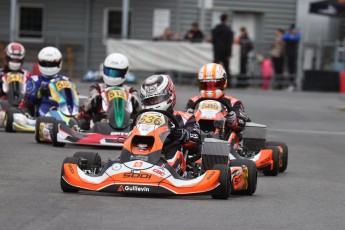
(113, 131)
(269, 157)
(14, 84)
(142, 168)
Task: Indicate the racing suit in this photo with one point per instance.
(37, 96)
(3, 75)
(92, 109)
(173, 147)
(236, 106)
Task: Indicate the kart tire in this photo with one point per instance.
(74, 122)
(275, 158)
(55, 132)
(224, 189)
(93, 159)
(66, 187)
(37, 126)
(252, 177)
(9, 120)
(285, 153)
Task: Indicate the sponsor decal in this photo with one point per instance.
(211, 175)
(135, 175)
(137, 164)
(210, 105)
(159, 172)
(71, 168)
(265, 161)
(139, 157)
(135, 188)
(117, 94)
(41, 132)
(14, 77)
(238, 179)
(116, 166)
(118, 134)
(151, 89)
(120, 189)
(63, 85)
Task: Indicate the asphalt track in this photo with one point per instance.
(309, 195)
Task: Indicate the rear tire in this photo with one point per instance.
(66, 187)
(275, 158)
(285, 153)
(252, 177)
(224, 189)
(55, 132)
(93, 159)
(38, 129)
(9, 120)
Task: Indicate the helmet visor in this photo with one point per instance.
(16, 60)
(212, 84)
(114, 73)
(156, 99)
(49, 63)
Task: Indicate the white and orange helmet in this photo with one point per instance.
(212, 80)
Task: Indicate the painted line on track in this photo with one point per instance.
(308, 132)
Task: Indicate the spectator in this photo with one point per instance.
(222, 39)
(194, 34)
(168, 35)
(291, 39)
(277, 56)
(246, 46)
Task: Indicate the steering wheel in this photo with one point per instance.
(168, 114)
(211, 99)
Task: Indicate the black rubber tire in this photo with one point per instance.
(285, 153)
(252, 177)
(66, 187)
(224, 189)
(54, 134)
(40, 120)
(73, 121)
(275, 158)
(9, 120)
(93, 159)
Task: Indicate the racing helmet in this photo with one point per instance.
(49, 61)
(158, 92)
(115, 69)
(14, 55)
(212, 81)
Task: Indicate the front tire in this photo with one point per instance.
(224, 189)
(9, 120)
(38, 131)
(252, 177)
(55, 132)
(66, 187)
(93, 159)
(285, 149)
(275, 158)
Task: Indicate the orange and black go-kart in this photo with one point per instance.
(142, 168)
(270, 157)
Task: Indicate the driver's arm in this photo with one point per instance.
(194, 133)
(238, 108)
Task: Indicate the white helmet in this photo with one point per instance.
(49, 61)
(115, 69)
(14, 54)
(158, 92)
(212, 80)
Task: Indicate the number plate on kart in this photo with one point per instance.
(63, 85)
(151, 119)
(117, 94)
(14, 77)
(210, 105)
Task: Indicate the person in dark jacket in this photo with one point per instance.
(194, 34)
(222, 39)
(246, 46)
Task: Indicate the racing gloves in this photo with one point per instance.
(43, 91)
(96, 101)
(231, 119)
(181, 135)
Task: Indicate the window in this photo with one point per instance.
(113, 25)
(30, 22)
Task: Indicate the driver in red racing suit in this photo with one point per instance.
(158, 92)
(212, 83)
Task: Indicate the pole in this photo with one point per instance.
(202, 14)
(13, 20)
(125, 13)
(87, 35)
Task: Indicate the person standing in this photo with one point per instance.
(246, 46)
(277, 56)
(291, 39)
(222, 39)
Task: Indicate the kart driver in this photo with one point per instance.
(158, 92)
(212, 81)
(37, 91)
(115, 69)
(14, 58)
